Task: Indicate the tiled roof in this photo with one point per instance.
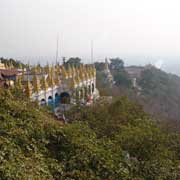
(9, 72)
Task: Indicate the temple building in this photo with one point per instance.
(107, 72)
(8, 75)
(59, 85)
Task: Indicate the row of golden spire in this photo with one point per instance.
(53, 76)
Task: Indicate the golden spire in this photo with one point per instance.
(52, 83)
(69, 71)
(36, 83)
(47, 69)
(94, 70)
(90, 72)
(28, 89)
(81, 73)
(73, 70)
(64, 73)
(51, 78)
(38, 68)
(78, 80)
(73, 83)
(44, 83)
(57, 69)
(57, 79)
(19, 82)
(86, 73)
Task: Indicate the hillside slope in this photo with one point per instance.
(111, 142)
(160, 93)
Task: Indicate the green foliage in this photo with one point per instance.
(116, 63)
(161, 93)
(103, 84)
(76, 61)
(147, 148)
(122, 79)
(15, 63)
(112, 142)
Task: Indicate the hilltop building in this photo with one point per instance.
(107, 72)
(8, 75)
(56, 85)
(53, 85)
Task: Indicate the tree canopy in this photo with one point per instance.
(109, 141)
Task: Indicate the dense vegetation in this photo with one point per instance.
(122, 82)
(160, 93)
(112, 142)
(12, 62)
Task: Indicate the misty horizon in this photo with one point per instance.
(139, 32)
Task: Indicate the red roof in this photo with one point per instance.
(9, 72)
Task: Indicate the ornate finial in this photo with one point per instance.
(28, 89)
(38, 68)
(44, 83)
(78, 80)
(81, 73)
(48, 79)
(47, 69)
(36, 83)
(51, 78)
(73, 70)
(57, 80)
(19, 83)
(90, 72)
(73, 83)
(64, 73)
(86, 73)
(69, 71)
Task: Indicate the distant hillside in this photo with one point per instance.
(156, 90)
(160, 93)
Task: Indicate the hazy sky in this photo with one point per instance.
(28, 28)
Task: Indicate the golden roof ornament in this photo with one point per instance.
(78, 80)
(81, 74)
(69, 70)
(73, 83)
(73, 70)
(94, 70)
(28, 89)
(44, 83)
(64, 73)
(47, 69)
(57, 80)
(36, 83)
(38, 68)
(52, 83)
(19, 83)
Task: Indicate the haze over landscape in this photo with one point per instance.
(89, 90)
(138, 31)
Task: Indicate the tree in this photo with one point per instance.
(76, 61)
(116, 63)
